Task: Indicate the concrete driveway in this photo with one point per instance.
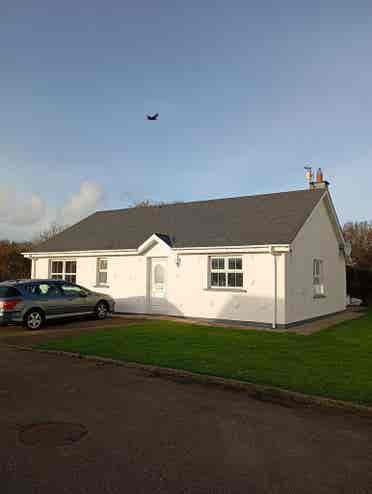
(151, 435)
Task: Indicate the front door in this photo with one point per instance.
(158, 285)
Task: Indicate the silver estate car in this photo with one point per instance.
(33, 302)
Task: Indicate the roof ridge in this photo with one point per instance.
(203, 201)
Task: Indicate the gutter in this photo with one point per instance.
(254, 249)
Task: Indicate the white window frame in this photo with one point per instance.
(64, 274)
(102, 270)
(318, 278)
(226, 270)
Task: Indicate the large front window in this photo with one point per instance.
(63, 270)
(226, 272)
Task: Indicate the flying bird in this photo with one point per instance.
(152, 117)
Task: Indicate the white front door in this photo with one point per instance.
(158, 285)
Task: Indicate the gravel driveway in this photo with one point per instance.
(18, 335)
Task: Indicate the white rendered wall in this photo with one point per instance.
(316, 240)
(187, 290)
(40, 269)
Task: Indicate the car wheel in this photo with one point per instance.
(101, 310)
(34, 319)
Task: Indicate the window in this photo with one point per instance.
(8, 291)
(56, 270)
(63, 270)
(48, 290)
(318, 278)
(226, 272)
(70, 271)
(73, 290)
(102, 268)
(42, 289)
(159, 274)
(32, 289)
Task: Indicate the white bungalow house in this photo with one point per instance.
(271, 260)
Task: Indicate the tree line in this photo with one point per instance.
(12, 263)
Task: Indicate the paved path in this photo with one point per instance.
(150, 435)
(306, 328)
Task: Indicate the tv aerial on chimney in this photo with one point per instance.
(319, 182)
(309, 174)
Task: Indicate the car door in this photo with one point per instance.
(45, 295)
(75, 299)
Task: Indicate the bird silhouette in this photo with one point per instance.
(152, 117)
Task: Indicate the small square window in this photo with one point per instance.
(102, 268)
(318, 278)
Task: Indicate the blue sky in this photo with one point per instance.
(248, 92)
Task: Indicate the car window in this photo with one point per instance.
(72, 290)
(31, 289)
(8, 291)
(45, 290)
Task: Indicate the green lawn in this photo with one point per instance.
(336, 362)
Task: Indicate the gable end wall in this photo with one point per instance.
(316, 240)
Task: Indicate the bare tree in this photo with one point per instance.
(53, 229)
(359, 234)
(146, 203)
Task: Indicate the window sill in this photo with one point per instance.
(101, 286)
(225, 289)
(319, 296)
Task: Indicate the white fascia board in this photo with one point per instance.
(241, 249)
(82, 253)
(254, 249)
(150, 242)
(334, 218)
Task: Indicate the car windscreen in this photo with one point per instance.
(8, 291)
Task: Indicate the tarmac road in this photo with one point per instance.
(152, 435)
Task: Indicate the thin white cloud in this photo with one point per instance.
(18, 210)
(85, 201)
(23, 216)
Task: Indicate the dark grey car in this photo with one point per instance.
(32, 302)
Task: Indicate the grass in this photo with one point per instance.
(335, 362)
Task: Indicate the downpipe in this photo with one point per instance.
(275, 306)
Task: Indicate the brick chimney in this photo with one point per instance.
(319, 183)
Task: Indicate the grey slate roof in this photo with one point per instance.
(249, 220)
